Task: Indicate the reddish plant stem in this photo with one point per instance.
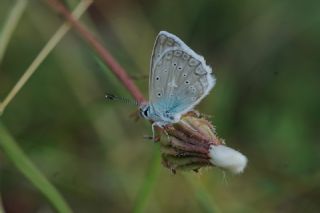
(105, 55)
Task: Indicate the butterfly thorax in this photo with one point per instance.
(147, 111)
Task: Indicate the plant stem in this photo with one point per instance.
(80, 9)
(105, 55)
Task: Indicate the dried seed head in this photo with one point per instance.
(192, 144)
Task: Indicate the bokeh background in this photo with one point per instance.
(266, 58)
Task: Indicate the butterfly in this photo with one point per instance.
(179, 80)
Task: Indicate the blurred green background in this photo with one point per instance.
(266, 58)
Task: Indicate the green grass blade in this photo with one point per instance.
(49, 46)
(30, 171)
(202, 195)
(149, 182)
(1, 206)
(10, 25)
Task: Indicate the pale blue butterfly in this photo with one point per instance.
(179, 80)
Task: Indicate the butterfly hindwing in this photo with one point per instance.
(185, 84)
(179, 77)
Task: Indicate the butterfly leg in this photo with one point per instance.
(153, 133)
(154, 137)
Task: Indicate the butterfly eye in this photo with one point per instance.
(157, 78)
(144, 111)
(179, 68)
(184, 74)
(187, 82)
(159, 94)
(174, 64)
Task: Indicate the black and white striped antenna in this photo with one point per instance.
(112, 97)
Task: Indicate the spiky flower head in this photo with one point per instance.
(192, 144)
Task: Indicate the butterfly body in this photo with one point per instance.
(161, 118)
(179, 80)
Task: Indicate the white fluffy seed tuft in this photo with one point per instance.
(227, 158)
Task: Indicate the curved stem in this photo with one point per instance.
(101, 51)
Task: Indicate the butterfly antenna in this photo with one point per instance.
(112, 97)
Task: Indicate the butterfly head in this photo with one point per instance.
(144, 111)
(148, 112)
